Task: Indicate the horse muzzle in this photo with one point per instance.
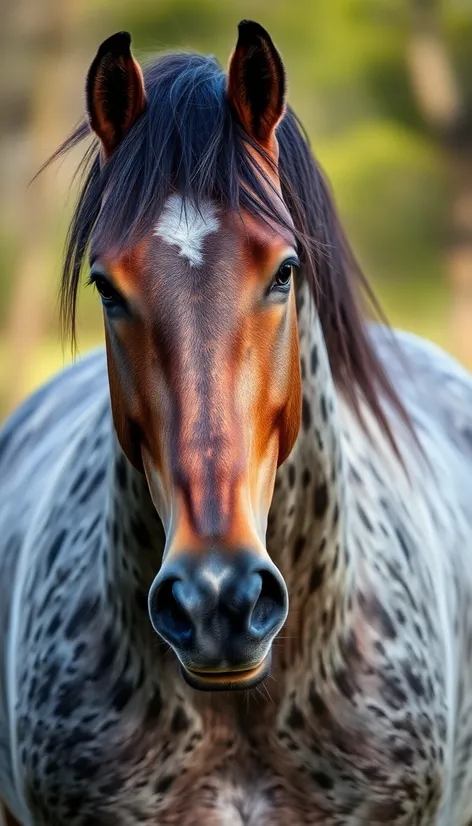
(220, 615)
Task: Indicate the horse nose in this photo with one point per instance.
(220, 613)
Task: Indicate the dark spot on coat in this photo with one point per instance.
(121, 474)
(354, 475)
(93, 525)
(291, 475)
(403, 544)
(323, 409)
(298, 548)
(343, 680)
(78, 481)
(306, 478)
(364, 518)
(54, 549)
(84, 768)
(295, 719)
(393, 694)
(306, 413)
(336, 515)
(377, 616)
(314, 359)
(316, 701)
(321, 500)
(180, 721)
(53, 625)
(163, 784)
(122, 695)
(403, 755)
(92, 486)
(316, 578)
(69, 697)
(108, 652)
(414, 681)
(155, 707)
(47, 684)
(323, 780)
(85, 613)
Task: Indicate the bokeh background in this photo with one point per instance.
(384, 88)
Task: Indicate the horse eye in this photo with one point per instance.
(105, 289)
(284, 276)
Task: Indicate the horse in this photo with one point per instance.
(235, 545)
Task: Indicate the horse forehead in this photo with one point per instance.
(186, 226)
(192, 229)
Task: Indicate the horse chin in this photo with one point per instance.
(227, 680)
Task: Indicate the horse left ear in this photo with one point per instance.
(114, 91)
(256, 83)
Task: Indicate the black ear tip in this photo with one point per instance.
(117, 44)
(249, 31)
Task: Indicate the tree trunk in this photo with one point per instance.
(444, 110)
(42, 128)
(459, 254)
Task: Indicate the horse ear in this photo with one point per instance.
(256, 83)
(114, 91)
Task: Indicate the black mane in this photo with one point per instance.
(190, 140)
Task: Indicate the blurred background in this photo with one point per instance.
(384, 88)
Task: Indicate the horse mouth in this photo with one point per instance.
(227, 680)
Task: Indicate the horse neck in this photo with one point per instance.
(132, 551)
(307, 533)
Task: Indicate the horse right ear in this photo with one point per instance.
(114, 91)
(256, 83)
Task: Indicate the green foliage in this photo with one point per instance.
(8, 258)
(391, 194)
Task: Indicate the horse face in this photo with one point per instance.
(203, 362)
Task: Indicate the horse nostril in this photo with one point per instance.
(218, 612)
(169, 616)
(271, 607)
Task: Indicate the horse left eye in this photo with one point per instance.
(284, 276)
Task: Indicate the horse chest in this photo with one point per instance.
(166, 769)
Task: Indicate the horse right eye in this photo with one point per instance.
(107, 292)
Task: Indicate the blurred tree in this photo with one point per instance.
(444, 105)
(38, 43)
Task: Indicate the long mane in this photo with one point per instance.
(190, 140)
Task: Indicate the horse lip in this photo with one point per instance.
(234, 680)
